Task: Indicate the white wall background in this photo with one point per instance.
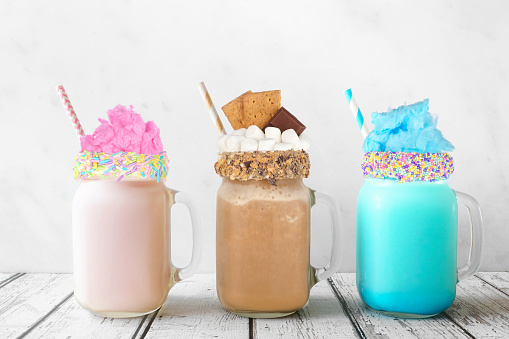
(151, 54)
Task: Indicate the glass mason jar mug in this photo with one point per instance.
(407, 233)
(121, 237)
(263, 246)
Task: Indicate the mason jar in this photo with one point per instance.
(121, 236)
(407, 234)
(263, 233)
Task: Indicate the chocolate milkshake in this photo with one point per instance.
(263, 210)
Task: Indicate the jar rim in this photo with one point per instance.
(118, 178)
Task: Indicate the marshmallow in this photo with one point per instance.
(290, 137)
(282, 147)
(249, 145)
(273, 133)
(233, 142)
(221, 143)
(254, 132)
(240, 131)
(266, 144)
(305, 142)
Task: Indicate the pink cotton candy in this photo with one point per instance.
(151, 142)
(124, 132)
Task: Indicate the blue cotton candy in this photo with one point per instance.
(406, 129)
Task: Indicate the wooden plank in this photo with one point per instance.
(4, 276)
(194, 311)
(322, 317)
(73, 321)
(371, 324)
(499, 280)
(30, 298)
(7, 278)
(480, 309)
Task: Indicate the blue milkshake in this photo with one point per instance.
(407, 217)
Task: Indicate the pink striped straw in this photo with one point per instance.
(70, 111)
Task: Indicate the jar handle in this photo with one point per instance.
(179, 273)
(335, 215)
(476, 233)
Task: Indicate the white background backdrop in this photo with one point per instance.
(151, 54)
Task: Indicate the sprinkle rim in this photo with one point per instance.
(408, 166)
(120, 165)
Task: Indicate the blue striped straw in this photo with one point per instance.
(356, 113)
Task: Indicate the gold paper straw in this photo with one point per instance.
(210, 107)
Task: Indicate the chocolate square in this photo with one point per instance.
(285, 120)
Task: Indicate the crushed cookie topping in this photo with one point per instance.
(257, 165)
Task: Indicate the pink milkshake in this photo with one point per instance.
(121, 219)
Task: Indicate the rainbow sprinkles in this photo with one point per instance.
(407, 167)
(98, 165)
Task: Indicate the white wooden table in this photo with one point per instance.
(43, 306)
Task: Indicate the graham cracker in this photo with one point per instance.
(233, 111)
(258, 108)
